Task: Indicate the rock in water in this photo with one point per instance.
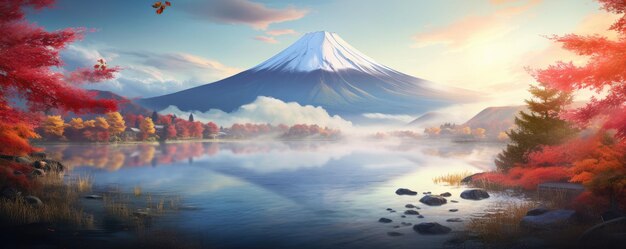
(549, 220)
(433, 200)
(454, 220)
(33, 201)
(446, 194)
(411, 212)
(394, 234)
(453, 210)
(409, 206)
(384, 220)
(431, 228)
(404, 191)
(537, 211)
(474, 194)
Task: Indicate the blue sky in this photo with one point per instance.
(482, 45)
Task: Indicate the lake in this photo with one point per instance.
(295, 194)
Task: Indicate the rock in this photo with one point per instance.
(469, 179)
(453, 201)
(55, 166)
(97, 197)
(433, 200)
(426, 193)
(389, 209)
(39, 164)
(404, 191)
(141, 214)
(394, 234)
(446, 194)
(40, 155)
(549, 220)
(431, 228)
(420, 216)
(405, 223)
(392, 211)
(403, 216)
(474, 194)
(409, 206)
(453, 210)
(37, 172)
(384, 220)
(10, 193)
(411, 212)
(537, 211)
(454, 220)
(23, 160)
(33, 201)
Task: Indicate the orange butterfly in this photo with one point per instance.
(161, 6)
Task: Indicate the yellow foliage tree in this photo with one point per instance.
(502, 136)
(116, 123)
(432, 131)
(77, 123)
(146, 127)
(89, 124)
(479, 133)
(102, 123)
(53, 126)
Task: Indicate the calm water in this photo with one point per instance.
(289, 194)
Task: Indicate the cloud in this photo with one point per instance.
(279, 32)
(255, 15)
(381, 116)
(266, 39)
(267, 110)
(472, 30)
(146, 74)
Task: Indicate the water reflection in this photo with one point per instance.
(301, 194)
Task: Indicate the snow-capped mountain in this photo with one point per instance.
(319, 69)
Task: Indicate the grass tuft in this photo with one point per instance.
(453, 179)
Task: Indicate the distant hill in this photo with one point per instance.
(495, 119)
(429, 119)
(125, 105)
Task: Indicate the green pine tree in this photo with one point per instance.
(540, 126)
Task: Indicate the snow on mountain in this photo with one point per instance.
(322, 70)
(321, 50)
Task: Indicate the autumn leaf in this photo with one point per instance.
(160, 10)
(168, 3)
(157, 5)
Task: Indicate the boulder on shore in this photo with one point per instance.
(537, 211)
(431, 228)
(433, 200)
(549, 220)
(33, 201)
(405, 191)
(474, 194)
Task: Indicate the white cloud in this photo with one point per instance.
(267, 110)
(147, 74)
(382, 116)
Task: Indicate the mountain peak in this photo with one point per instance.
(320, 50)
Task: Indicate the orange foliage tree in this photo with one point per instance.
(146, 128)
(53, 127)
(116, 123)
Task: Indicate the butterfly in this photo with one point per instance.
(102, 65)
(161, 6)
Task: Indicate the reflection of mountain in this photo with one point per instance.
(288, 169)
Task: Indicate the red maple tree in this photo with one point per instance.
(29, 55)
(605, 70)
